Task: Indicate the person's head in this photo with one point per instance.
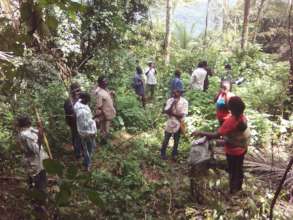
(75, 90)
(226, 86)
(177, 73)
(85, 98)
(139, 70)
(102, 82)
(150, 63)
(23, 121)
(228, 67)
(176, 93)
(202, 64)
(236, 106)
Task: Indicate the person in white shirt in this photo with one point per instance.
(86, 127)
(151, 81)
(176, 108)
(198, 77)
(31, 144)
(105, 110)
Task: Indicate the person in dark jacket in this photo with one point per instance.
(71, 119)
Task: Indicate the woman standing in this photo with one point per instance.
(236, 137)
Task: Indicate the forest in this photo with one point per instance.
(48, 45)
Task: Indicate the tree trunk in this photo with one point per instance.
(207, 23)
(288, 103)
(245, 24)
(168, 32)
(259, 11)
(225, 15)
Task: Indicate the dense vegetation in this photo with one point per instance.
(48, 44)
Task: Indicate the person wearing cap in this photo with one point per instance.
(71, 118)
(105, 110)
(176, 109)
(151, 81)
(176, 82)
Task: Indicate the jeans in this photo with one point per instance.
(165, 143)
(88, 145)
(235, 170)
(76, 141)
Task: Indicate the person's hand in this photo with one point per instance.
(113, 94)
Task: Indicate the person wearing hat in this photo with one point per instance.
(176, 109)
(151, 81)
(71, 119)
(176, 82)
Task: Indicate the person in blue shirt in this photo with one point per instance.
(176, 83)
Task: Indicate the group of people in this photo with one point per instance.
(233, 131)
(83, 124)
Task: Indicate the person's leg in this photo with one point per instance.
(176, 137)
(86, 154)
(165, 144)
(152, 91)
(76, 142)
(103, 131)
(230, 170)
(91, 145)
(238, 180)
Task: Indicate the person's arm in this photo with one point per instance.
(209, 135)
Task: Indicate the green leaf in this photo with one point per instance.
(52, 22)
(71, 172)
(95, 198)
(53, 167)
(62, 198)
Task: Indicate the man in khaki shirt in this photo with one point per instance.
(105, 111)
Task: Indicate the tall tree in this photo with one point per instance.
(225, 14)
(245, 23)
(207, 22)
(289, 103)
(258, 16)
(168, 31)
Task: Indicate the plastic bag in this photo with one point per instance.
(199, 151)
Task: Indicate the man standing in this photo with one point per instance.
(105, 111)
(176, 108)
(71, 119)
(176, 83)
(198, 77)
(86, 127)
(151, 78)
(34, 153)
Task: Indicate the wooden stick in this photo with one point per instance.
(44, 135)
(280, 188)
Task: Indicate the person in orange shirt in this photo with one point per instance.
(236, 135)
(221, 100)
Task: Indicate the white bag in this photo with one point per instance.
(199, 151)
